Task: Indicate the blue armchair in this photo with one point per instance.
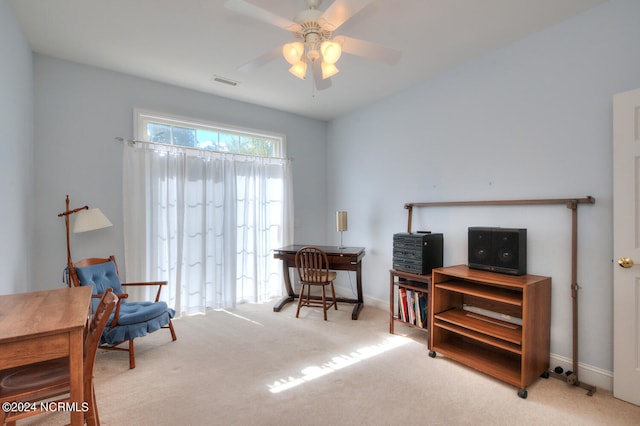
(130, 319)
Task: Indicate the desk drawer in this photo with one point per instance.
(33, 350)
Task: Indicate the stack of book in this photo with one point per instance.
(412, 307)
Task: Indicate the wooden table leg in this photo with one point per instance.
(360, 303)
(291, 296)
(76, 377)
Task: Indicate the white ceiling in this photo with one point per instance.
(187, 42)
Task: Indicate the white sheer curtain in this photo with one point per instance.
(207, 223)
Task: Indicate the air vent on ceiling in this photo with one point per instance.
(223, 80)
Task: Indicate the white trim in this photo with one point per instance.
(588, 374)
(140, 114)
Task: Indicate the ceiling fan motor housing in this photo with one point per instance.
(314, 4)
(311, 31)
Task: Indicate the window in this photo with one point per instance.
(185, 132)
(203, 220)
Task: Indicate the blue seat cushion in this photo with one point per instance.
(136, 319)
(135, 312)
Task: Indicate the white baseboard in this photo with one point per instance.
(376, 303)
(587, 374)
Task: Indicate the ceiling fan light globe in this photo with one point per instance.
(299, 70)
(328, 70)
(331, 51)
(292, 52)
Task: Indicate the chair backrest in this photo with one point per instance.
(95, 328)
(312, 265)
(97, 272)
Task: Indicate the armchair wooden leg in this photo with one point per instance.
(132, 356)
(173, 333)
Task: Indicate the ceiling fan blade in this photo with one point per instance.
(369, 50)
(256, 12)
(261, 60)
(316, 71)
(341, 10)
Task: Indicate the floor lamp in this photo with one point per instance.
(87, 220)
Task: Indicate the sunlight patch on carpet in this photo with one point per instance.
(239, 316)
(337, 363)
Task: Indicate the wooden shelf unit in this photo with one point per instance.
(487, 339)
(409, 281)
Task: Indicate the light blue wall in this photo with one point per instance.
(79, 111)
(531, 120)
(17, 180)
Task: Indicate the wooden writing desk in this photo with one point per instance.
(345, 259)
(46, 325)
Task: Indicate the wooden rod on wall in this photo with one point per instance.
(567, 201)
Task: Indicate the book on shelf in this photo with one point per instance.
(411, 307)
(402, 303)
(422, 303)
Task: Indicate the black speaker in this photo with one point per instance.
(501, 250)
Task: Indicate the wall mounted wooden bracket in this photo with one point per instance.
(571, 204)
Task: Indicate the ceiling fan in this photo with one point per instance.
(314, 42)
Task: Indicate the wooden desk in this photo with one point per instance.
(46, 325)
(345, 259)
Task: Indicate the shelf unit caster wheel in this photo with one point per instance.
(558, 370)
(432, 354)
(545, 375)
(522, 393)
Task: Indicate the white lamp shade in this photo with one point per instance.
(292, 52)
(299, 70)
(331, 51)
(328, 70)
(341, 221)
(90, 220)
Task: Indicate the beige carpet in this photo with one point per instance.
(252, 366)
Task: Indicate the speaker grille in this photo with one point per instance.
(480, 247)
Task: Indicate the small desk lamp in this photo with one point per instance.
(87, 220)
(341, 225)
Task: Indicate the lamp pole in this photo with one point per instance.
(66, 215)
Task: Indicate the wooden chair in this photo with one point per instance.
(131, 319)
(42, 381)
(312, 265)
